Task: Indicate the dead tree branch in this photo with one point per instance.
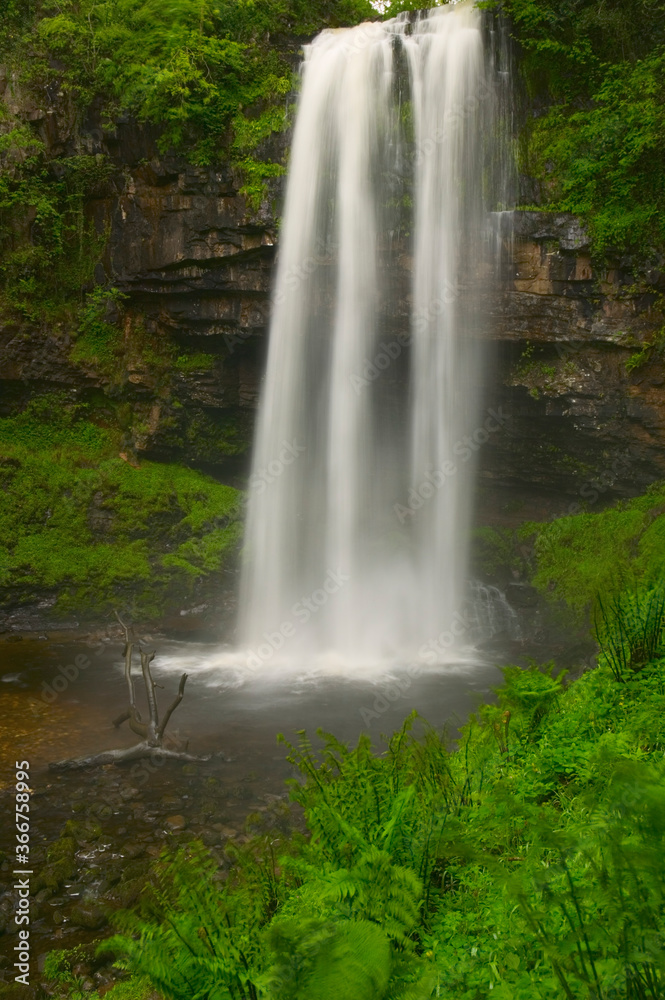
(151, 732)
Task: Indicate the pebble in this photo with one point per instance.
(175, 822)
(132, 850)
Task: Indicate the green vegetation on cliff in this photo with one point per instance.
(101, 531)
(587, 553)
(211, 77)
(595, 73)
(581, 556)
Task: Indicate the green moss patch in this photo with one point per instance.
(78, 518)
(578, 557)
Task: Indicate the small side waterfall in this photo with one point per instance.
(356, 537)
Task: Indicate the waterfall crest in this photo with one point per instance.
(360, 494)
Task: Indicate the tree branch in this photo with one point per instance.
(172, 707)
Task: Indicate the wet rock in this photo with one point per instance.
(175, 823)
(82, 833)
(132, 850)
(87, 915)
(521, 595)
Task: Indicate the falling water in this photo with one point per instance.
(359, 501)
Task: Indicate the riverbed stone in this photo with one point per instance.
(175, 823)
(87, 915)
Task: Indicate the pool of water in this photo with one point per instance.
(58, 699)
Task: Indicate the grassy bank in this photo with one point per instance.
(79, 520)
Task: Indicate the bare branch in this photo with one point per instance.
(138, 752)
(128, 652)
(172, 707)
(153, 724)
(151, 732)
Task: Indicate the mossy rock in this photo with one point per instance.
(82, 833)
(88, 916)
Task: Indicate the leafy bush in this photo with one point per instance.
(580, 556)
(48, 249)
(598, 147)
(629, 628)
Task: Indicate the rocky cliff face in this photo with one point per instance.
(575, 360)
(193, 263)
(576, 363)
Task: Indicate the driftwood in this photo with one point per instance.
(152, 730)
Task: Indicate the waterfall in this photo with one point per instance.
(360, 493)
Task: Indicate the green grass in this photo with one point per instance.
(78, 518)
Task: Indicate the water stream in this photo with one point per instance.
(360, 498)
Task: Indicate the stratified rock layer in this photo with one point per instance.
(196, 265)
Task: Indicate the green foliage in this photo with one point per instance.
(78, 518)
(67, 985)
(653, 347)
(98, 342)
(206, 73)
(629, 628)
(580, 556)
(48, 249)
(598, 149)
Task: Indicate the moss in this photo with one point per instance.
(189, 364)
(79, 519)
(60, 865)
(581, 556)
(493, 549)
(82, 833)
(136, 988)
